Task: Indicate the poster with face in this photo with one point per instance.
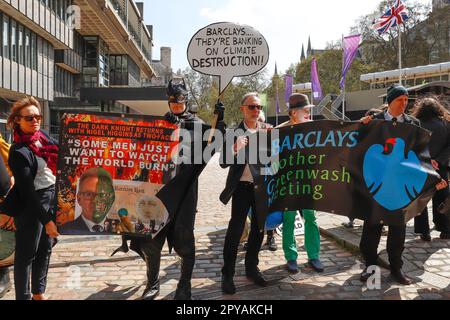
(110, 169)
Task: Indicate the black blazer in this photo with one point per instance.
(408, 119)
(78, 226)
(236, 170)
(440, 140)
(23, 164)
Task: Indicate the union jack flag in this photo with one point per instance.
(395, 15)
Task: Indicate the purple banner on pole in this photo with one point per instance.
(315, 83)
(350, 45)
(277, 100)
(287, 87)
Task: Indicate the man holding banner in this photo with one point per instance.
(240, 187)
(299, 112)
(397, 99)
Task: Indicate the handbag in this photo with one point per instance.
(12, 204)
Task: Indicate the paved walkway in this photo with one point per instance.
(83, 269)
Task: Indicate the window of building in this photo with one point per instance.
(1, 34)
(13, 35)
(6, 42)
(21, 45)
(103, 63)
(90, 62)
(6, 39)
(55, 6)
(27, 48)
(118, 70)
(34, 54)
(95, 63)
(62, 9)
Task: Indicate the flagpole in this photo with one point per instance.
(343, 98)
(399, 55)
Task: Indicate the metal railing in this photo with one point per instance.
(318, 109)
(329, 107)
(120, 11)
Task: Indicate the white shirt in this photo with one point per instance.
(389, 117)
(247, 175)
(44, 176)
(90, 224)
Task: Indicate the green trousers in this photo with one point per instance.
(312, 235)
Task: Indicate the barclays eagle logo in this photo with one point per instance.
(393, 179)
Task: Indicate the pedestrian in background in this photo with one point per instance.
(434, 117)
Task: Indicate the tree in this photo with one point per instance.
(329, 65)
(204, 93)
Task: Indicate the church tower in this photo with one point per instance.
(302, 57)
(309, 50)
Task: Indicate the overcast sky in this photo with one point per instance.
(286, 24)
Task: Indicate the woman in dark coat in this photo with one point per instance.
(32, 159)
(434, 117)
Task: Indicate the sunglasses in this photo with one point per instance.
(30, 118)
(254, 106)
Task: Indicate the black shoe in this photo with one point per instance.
(292, 266)
(151, 292)
(444, 236)
(272, 244)
(348, 225)
(228, 286)
(365, 275)
(316, 265)
(183, 291)
(400, 277)
(257, 277)
(425, 237)
(5, 281)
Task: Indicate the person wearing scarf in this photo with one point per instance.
(32, 159)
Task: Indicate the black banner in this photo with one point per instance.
(380, 172)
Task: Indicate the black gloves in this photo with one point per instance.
(172, 118)
(219, 109)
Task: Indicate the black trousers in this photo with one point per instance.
(441, 221)
(370, 240)
(243, 199)
(33, 250)
(180, 234)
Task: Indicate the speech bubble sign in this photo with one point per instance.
(227, 50)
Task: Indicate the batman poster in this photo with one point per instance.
(110, 168)
(379, 172)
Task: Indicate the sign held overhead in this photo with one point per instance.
(227, 50)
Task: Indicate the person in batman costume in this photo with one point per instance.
(180, 196)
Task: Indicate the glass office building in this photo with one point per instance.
(55, 49)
